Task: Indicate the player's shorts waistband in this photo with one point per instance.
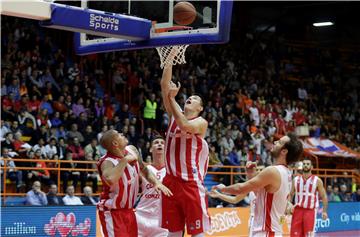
(123, 210)
(179, 179)
(303, 208)
(118, 210)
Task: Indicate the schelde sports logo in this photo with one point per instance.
(65, 225)
(100, 22)
(224, 221)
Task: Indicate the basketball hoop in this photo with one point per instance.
(171, 55)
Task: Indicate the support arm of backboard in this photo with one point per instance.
(98, 23)
(31, 9)
(77, 19)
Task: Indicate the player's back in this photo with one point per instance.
(270, 207)
(187, 155)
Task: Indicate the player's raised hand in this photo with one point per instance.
(218, 187)
(324, 216)
(174, 89)
(162, 188)
(131, 159)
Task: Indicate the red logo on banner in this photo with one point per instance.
(65, 225)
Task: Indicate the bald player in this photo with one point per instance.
(119, 170)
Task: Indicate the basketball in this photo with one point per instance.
(184, 13)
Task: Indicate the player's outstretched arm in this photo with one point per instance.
(166, 81)
(165, 86)
(289, 210)
(323, 196)
(264, 178)
(148, 175)
(195, 126)
(292, 192)
(227, 198)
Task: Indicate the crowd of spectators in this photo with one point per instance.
(36, 197)
(57, 106)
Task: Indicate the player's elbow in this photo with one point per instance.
(185, 126)
(109, 179)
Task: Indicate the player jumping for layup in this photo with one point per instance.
(272, 187)
(186, 159)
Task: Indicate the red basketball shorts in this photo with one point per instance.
(118, 223)
(188, 205)
(303, 221)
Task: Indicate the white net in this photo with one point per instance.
(172, 55)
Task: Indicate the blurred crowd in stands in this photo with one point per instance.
(56, 105)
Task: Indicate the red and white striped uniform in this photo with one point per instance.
(306, 195)
(270, 207)
(122, 194)
(187, 155)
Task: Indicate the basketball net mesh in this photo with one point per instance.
(172, 55)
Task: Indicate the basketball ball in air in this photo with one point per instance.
(184, 13)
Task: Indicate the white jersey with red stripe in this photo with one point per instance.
(252, 199)
(148, 210)
(270, 207)
(122, 194)
(150, 201)
(187, 155)
(306, 193)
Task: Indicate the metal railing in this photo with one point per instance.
(223, 170)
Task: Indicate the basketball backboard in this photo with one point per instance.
(106, 26)
(212, 25)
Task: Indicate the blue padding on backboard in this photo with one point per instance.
(192, 38)
(97, 23)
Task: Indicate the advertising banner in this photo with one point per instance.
(66, 221)
(62, 221)
(343, 216)
(228, 222)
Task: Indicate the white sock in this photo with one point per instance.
(199, 235)
(175, 234)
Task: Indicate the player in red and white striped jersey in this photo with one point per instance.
(306, 189)
(149, 206)
(272, 187)
(186, 159)
(119, 170)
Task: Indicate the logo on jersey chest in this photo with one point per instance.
(149, 186)
(178, 133)
(152, 195)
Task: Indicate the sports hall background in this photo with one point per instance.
(278, 73)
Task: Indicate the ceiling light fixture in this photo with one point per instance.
(320, 24)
